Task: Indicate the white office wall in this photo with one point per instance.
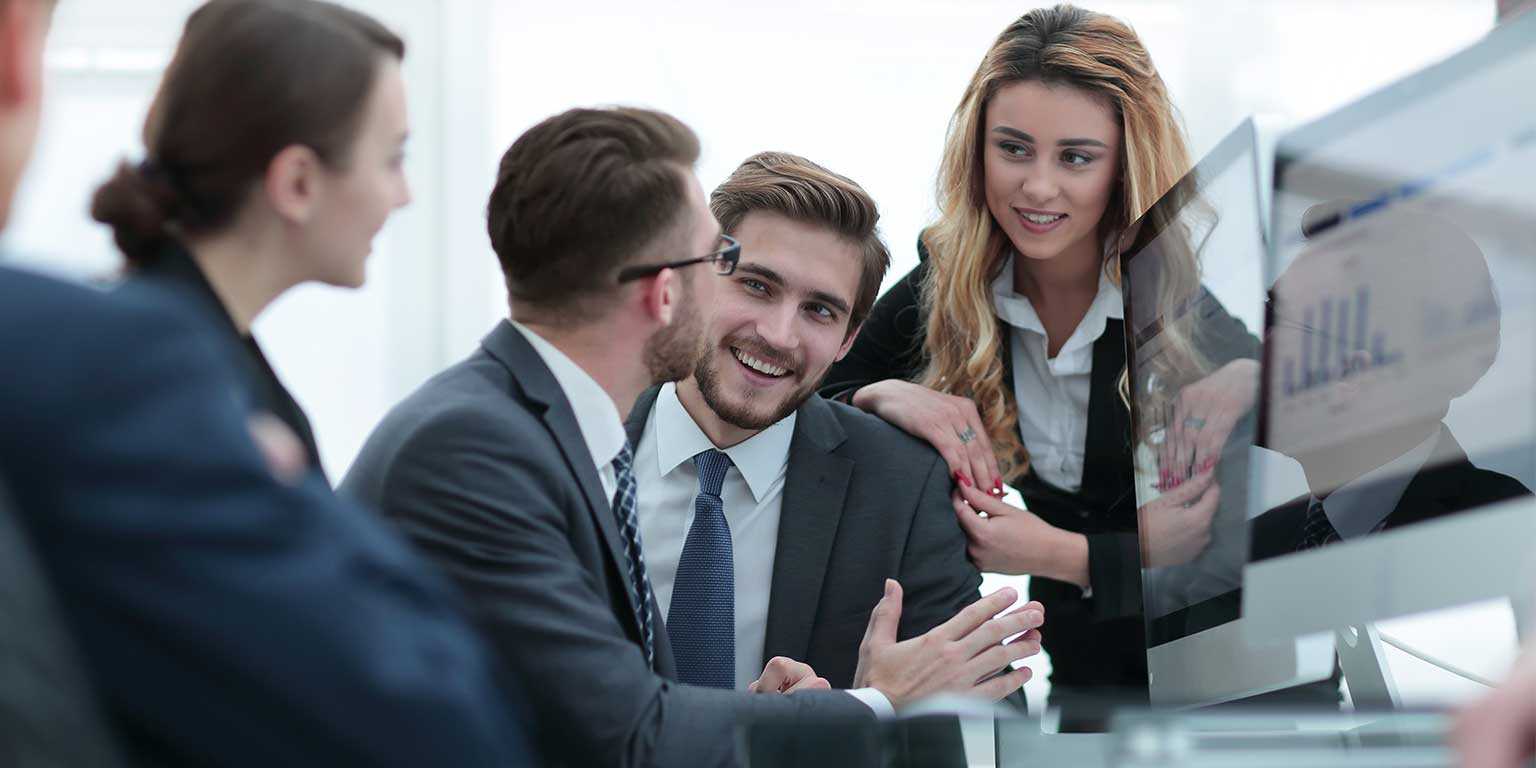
(863, 87)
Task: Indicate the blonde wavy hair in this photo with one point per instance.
(1064, 45)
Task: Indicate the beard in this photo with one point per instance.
(754, 411)
(673, 352)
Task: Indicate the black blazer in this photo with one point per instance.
(1450, 484)
(1093, 642)
(863, 502)
(485, 468)
(223, 618)
(174, 276)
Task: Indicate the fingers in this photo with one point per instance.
(783, 674)
(1003, 685)
(1185, 493)
(971, 524)
(1211, 440)
(1201, 512)
(881, 630)
(999, 656)
(983, 462)
(991, 634)
(974, 615)
(981, 501)
(810, 683)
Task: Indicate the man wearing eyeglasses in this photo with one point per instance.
(513, 470)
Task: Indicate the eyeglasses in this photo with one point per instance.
(724, 260)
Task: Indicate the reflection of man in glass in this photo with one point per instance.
(1373, 330)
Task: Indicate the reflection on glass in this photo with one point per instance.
(1191, 278)
(1375, 328)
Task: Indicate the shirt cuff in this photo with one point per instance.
(875, 700)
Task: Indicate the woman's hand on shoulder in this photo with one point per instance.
(951, 424)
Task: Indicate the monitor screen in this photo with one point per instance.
(1192, 284)
(1399, 359)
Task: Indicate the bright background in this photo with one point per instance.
(865, 87)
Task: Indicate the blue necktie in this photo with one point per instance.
(625, 509)
(702, 619)
(1318, 531)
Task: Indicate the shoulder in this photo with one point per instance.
(31, 302)
(1479, 486)
(470, 405)
(872, 440)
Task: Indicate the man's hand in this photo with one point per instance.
(280, 447)
(959, 656)
(1500, 730)
(785, 675)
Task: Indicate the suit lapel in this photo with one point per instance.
(539, 387)
(815, 486)
(1431, 493)
(1106, 471)
(634, 427)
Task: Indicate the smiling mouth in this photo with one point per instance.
(760, 366)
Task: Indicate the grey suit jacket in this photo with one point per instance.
(485, 469)
(863, 502)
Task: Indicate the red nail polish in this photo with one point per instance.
(997, 485)
(966, 480)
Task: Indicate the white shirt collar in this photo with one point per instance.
(596, 415)
(1016, 310)
(761, 458)
(1361, 504)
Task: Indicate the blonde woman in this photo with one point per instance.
(1005, 347)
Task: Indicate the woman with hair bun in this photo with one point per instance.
(1005, 349)
(273, 156)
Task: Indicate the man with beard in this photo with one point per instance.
(512, 468)
(783, 512)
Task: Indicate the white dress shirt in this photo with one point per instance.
(1053, 393)
(596, 415)
(752, 493)
(1362, 505)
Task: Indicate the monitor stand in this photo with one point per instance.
(1364, 664)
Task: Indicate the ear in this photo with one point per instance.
(21, 60)
(292, 183)
(660, 295)
(853, 333)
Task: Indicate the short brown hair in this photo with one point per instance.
(580, 195)
(249, 78)
(800, 190)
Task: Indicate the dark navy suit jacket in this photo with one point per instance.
(222, 617)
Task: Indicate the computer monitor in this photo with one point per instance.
(1192, 282)
(1400, 355)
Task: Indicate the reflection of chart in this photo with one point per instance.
(1337, 342)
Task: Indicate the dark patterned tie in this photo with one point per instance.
(1317, 531)
(702, 619)
(625, 509)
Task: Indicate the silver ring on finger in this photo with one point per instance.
(1194, 422)
(966, 436)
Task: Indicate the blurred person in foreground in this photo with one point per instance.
(222, 617)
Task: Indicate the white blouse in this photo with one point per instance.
(1052, 393)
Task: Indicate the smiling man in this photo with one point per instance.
(771, 517)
